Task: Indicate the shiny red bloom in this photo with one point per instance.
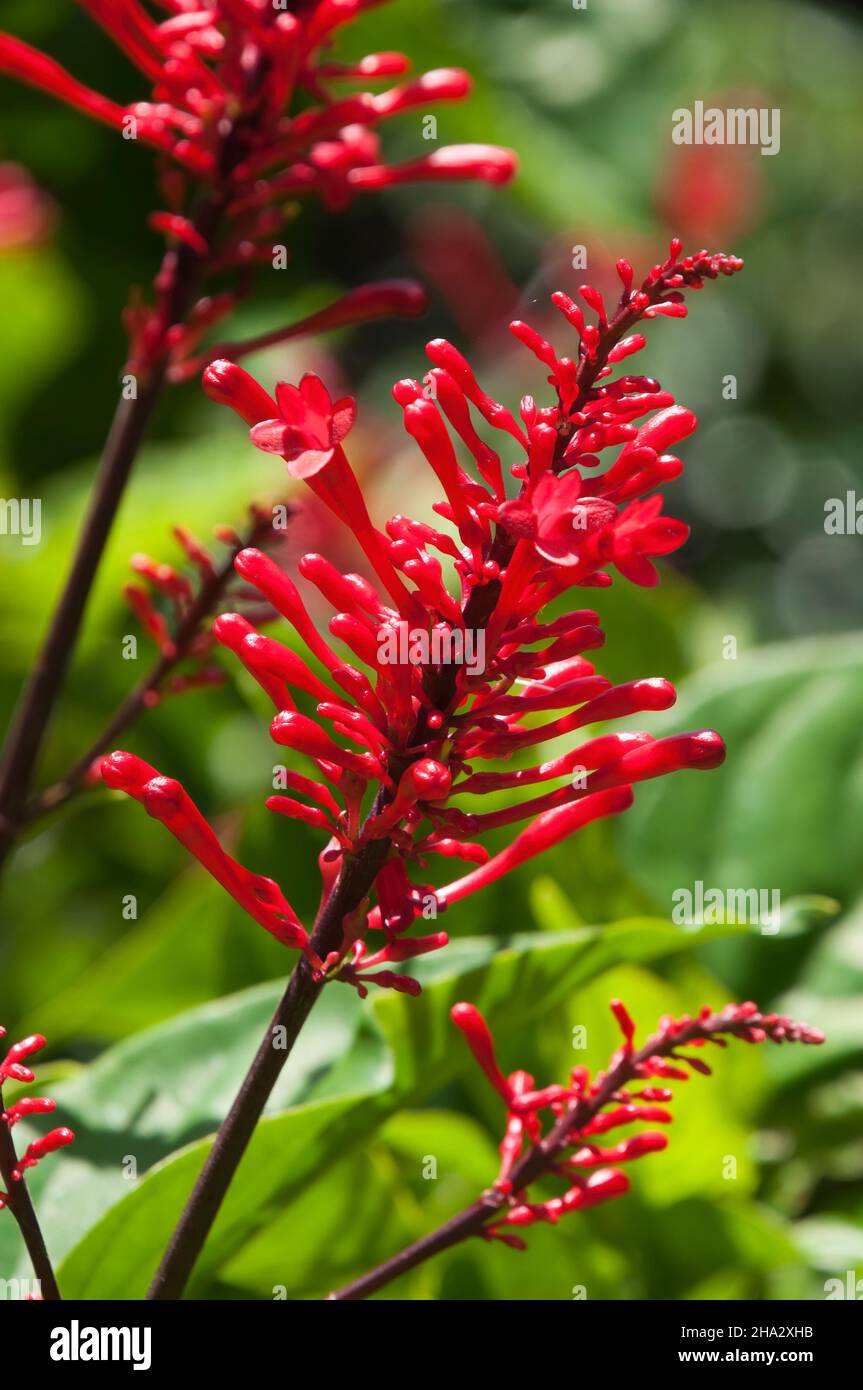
(553, 1132)
(308, 428)
(415, 691)
(556, 517)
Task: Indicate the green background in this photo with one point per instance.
(152, 1021)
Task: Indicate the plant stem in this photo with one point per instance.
(353, 885)
(21, 1206)
(537, 1162)
(30, 721)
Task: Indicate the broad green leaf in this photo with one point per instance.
(420, 1166)
(784, 812)
(347, 1220)
(146, 1097)
(511, 981)
(119, 1255)
(781, 816)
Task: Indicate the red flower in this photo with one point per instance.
(642, 532)
(557, 518)
(552, 1132)
(418, 690)
(244, 109)
(308, 428)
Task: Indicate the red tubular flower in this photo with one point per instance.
(12, 1068)
(166, 801)
(309, 427)
(30, 1105)
(551, 1132)
(418, 689)
(383, 299)
(48, 1144)
(228, 79)
(478, 1038)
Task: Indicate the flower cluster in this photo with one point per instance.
(13, 1068)
(249, 112)
(424, 688)
(171, 605)
(554, 1131)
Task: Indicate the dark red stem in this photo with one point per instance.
(36, 705)
(19, 1203)
(354, 884)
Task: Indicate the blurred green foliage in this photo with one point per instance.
(152, 1021)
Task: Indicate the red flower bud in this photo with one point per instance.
(50, 1143)
(476, 1033)
(228, 384)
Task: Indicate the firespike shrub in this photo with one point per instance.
(397, 743)
(419, 729)
(442, 653)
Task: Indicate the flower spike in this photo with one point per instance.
(560, 1143)
(244, 110)
(415, 689)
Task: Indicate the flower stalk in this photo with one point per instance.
(233, 154)
(15, 1194)
(421, 727)
(583, 1110)
(182, 642)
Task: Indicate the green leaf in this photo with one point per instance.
(421, 1165)
(551, 906)
(830, 1244)
(785, 810)
(782, 815)
(407, 1049)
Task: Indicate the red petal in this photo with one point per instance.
(518, 518)
(344, 419)
(638, 570)
(273, 436)
(316, 395)
(292, 403)
(309, 462)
